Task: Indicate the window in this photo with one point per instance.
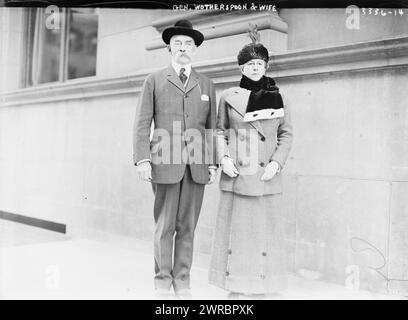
(66, 50)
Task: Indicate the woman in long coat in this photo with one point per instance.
(254, 137)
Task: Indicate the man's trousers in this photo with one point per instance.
(176, 210)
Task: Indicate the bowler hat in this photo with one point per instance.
(183, 27)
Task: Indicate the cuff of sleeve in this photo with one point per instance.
(143, 160)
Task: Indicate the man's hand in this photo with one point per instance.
(229, 168)
(144, 171)
(270, 171)
(213, 175)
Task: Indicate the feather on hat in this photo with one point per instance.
(254, 50)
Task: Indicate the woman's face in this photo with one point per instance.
(254, 69)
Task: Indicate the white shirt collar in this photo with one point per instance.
(177, 68)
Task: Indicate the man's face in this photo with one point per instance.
(182, 49)
(254, 69)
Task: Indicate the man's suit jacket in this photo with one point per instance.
(252, 145)
(181, 116)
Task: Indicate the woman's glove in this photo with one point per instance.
(213, 175)
(227, 165)
(270, 170)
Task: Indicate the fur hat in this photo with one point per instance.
(183, 27)
(254, 50)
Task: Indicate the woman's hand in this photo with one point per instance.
(227, 165)
(213, 175)
(271, 169)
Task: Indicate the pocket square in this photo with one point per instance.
(204, 97)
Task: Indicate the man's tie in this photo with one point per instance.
(183, 76)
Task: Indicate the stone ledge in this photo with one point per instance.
(376, 54)
(363, 56)
(71, 90)
(222, 25)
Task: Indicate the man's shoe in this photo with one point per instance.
(184, 294)
(162, 294)
(233, 295)
(255, 296)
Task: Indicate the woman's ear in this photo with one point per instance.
(168, 47)
(241, 68)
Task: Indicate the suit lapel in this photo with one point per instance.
(173, 77)
(239, 101)
(192, 81)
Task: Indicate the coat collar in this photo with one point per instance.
(173, 77)
(238, 100)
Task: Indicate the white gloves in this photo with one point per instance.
(270, 170)
(227, 165)
(213, 175)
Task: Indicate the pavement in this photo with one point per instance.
(41, 264)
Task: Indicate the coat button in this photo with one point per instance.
(262, 164)
(229, 251)
(264, 254)
(227, 273)
(262, 138)
(240, 162)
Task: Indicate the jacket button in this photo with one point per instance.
(262, 138)
(227, 273)
(229, 251)
(264, 254)
(262, 164)
(240, 162)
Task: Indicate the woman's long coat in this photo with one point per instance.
(252, 145)
(248, 253)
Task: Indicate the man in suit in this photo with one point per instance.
(179, 160)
